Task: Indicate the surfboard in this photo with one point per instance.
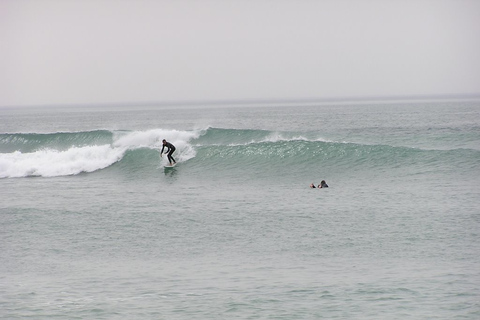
(168, 166)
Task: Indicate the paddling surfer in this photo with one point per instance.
(323, 184)
(169, 152)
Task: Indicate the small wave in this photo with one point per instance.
(30, 142)
(238, 137)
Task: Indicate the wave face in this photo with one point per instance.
(227, 150)
(280, 152)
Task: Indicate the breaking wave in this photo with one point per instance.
(71, 153)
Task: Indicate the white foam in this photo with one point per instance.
(278, 137)
(153, 139)
(51, 163)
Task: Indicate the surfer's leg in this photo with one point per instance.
(170, 157)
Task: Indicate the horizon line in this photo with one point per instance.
(253, 101)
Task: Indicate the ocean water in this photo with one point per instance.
(92, 226)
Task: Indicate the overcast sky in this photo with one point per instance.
(114, 51)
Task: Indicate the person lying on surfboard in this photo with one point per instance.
(170, 150)
(322, 184)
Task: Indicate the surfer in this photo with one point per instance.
(323, 184)
(170, 150)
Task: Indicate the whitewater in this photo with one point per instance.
(93, 226)
(60, 154)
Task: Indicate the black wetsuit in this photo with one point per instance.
(171, 149)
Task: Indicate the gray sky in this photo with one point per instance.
(114, 51)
